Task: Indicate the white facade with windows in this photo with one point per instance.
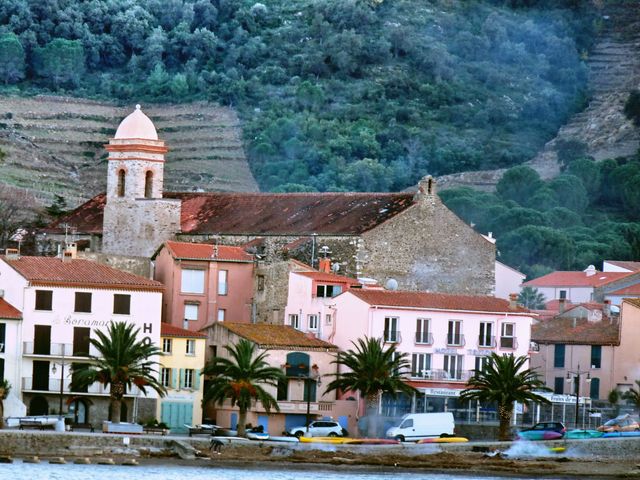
(60, 316)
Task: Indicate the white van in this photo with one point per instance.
(416, 426)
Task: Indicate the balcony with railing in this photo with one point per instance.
(486, 341)
(392, 336)
(55, 350)
(455, 340)
(29, 384)
(443, 375)
(510, 343)
(424, 338)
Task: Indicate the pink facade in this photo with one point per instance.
(204, 284)
(311, 301)
(445, 337)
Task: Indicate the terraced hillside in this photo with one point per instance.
(54, 145)
(614, 70)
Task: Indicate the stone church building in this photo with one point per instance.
(411, 238)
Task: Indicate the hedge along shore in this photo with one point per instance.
(596, 458)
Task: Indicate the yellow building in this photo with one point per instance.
(181, 363)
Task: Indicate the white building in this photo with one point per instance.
(63, 302)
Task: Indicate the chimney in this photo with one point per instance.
(67, 257)
(324, 265)
(11, 254)
(590, 271)
(561, 305)
(71, 248)
(426, 188)
(513, 301)
(606, 308)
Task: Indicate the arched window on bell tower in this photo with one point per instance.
(148, 184)
(121, 182)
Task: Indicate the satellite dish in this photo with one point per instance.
(335, 267)
(392, 284)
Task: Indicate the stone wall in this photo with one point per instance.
(136, 265)
(427, 247)
(138, 227)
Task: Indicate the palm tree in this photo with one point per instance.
(633, 396)
(614, 399)
(240, 378)
(5, 388)
(123, 362)
(531, 298)
(372, 371)
(504, 381)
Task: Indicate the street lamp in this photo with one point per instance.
(54, 370)
(575, 375)
(314, 376)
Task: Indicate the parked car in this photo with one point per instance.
(543, 431)
(418, 426)
(622, 423)
(318, 428)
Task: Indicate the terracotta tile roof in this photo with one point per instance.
(631, 266)
(53, 271)
(439, 301)
(587, 305)
(204, 251)
(87, 218)
(632, 290)
(633, 301)
(276, 336)
(263, 213)
(576, 332)
(168, 330)
(575, 279)
(555, 304)
(328, 277)
(8, 311)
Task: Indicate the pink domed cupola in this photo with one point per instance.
(137, 125)
(136, 160)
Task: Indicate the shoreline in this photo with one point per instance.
(594, 459)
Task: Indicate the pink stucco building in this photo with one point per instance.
(444, 336)
(204, 284)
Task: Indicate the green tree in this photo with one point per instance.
(372, 370)
(5, 388)
(505, 381)
(519, 184)
(58, 208)
(614, 397)
(241, 379)
(61, 61)
(632, 107)
(531, 298)
(632, 396)
(123, 361)
(12, 57)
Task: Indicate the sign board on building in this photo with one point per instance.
(440, 392)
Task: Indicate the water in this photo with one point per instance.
(45, 471)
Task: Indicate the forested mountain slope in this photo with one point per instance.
(332, 94)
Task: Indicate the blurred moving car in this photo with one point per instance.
(543, 431)
(622, 423)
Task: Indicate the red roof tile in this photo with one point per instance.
(575, 279)
(168, 330)
(438, 301)
(204, 251)
(79, 273)
(8, 311)
(276, 336)
(263, 213)
(328, 277)
(576, 332)
(632, 290)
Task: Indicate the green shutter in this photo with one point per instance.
(174, 378)
(196, 380)
(182, 378)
